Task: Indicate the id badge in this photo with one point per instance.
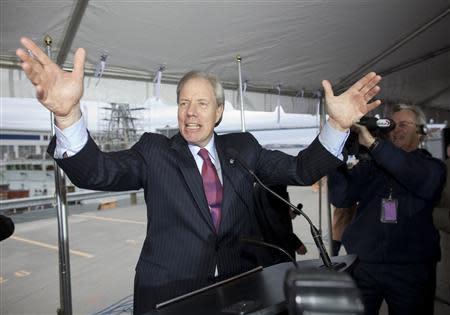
(388, 210)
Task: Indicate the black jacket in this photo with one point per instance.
(416, 179)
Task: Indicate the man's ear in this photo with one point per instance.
(219, 119)
(422, 130)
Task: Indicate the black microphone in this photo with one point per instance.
(314, 231)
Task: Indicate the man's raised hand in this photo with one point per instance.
(59, 91)
(346, 109)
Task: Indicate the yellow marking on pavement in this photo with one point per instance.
(108, 219)
(3, 280)
(22, 273)
(74, 252)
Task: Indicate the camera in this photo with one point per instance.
(378, 127)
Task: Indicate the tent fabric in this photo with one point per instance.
(293, 43)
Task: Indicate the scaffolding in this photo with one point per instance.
(120, 127)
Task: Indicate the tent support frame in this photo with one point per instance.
(351, 77)
(65, 292)
(60, 180)
(72, 28)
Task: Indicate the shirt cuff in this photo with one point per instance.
(70, 140)
(333, 140)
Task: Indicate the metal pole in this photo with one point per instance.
(327, 195)
(65, 294)
(412, 62)
(240, 94)
(319, 126)
(330, 225)
(72, 28)
(435, 95)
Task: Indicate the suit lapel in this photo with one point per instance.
(230, 176)
(193, 179)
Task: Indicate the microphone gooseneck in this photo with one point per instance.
(261, 243)
(234, 156)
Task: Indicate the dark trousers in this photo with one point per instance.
(407, 288)
(335, 248)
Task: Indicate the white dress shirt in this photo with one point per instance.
(72, 139)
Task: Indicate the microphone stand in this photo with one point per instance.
(314, 231)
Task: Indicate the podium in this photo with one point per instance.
(257, 292)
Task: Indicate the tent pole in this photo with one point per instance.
(325, 183)
(240, 92)
(136, 75)
(345, 81)
(409, 63)
(435, 95)
(60, 182)
(65, 294)
(320, 106)
(71, 30)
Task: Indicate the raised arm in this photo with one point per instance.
(59, 91)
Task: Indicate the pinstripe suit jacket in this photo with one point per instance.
(181, 248)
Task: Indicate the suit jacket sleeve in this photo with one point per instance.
(309, 166)
(423, 176)
(93, 169)
(419, 173)
(445, 199)
(345, 186)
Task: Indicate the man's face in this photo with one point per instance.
(198, 111)
(405, 135)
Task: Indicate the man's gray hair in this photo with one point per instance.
(420, 115)
(212, 79)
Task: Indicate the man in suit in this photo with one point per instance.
(199, 205)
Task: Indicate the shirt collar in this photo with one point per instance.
(210, 146)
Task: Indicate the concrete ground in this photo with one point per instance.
(104, 246)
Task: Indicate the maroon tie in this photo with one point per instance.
(212, 187)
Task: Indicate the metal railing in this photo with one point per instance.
(37, 201)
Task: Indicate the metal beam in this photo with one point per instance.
(71, 30)
(42, 201)
(65, 290)
(435, 95)
(345, 81)
(412, 62)
(123, 74)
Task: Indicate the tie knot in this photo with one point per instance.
(204, 154)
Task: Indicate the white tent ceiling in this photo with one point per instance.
(292, 43)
